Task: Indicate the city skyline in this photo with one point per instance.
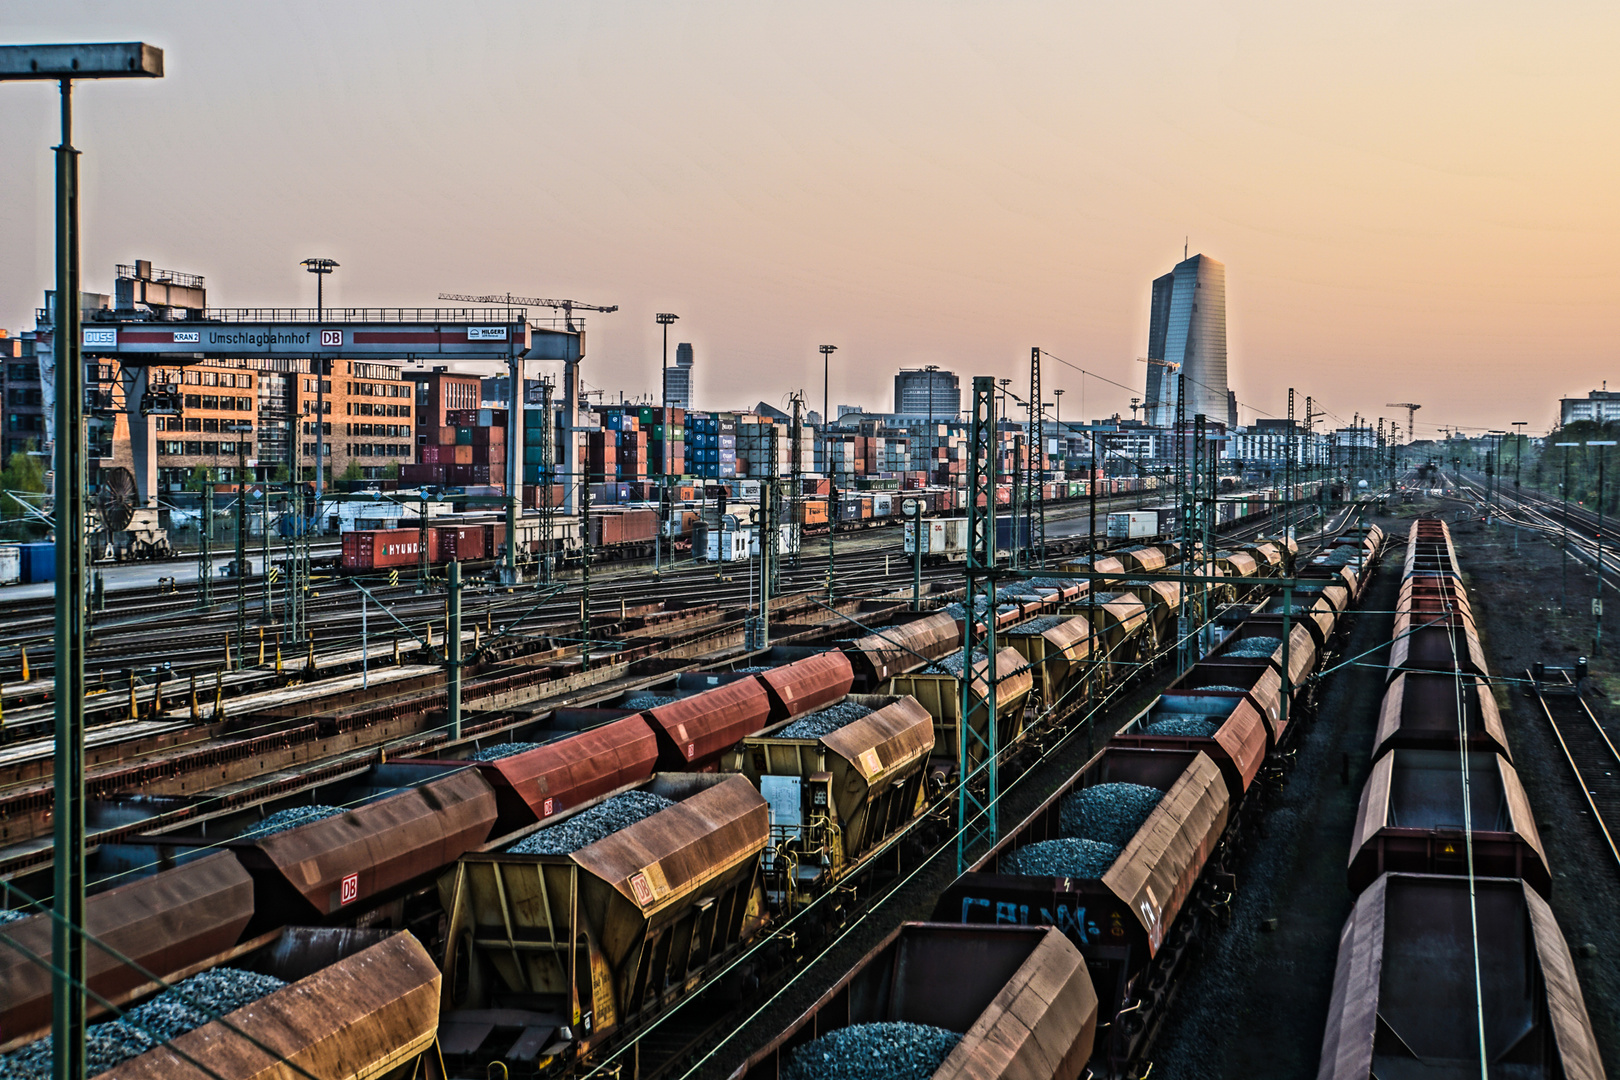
(788, 179)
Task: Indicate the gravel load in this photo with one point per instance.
(1088, 860)
(952, 664)
(1040, 624)
(1054, 583)
(1255, 646)
(500, 750)
(1110, 813)
(290, 818)
(647, 701)
(1219, 688)
(958, 611)
(589, 826)
(1184, 726)
(824, 721)
(171, 1014)
(753, 670)
(882, 1051)
(9, 915)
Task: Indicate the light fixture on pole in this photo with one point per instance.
(320, 268)
(664, 319)
(1597, 604)
(1057, 420)
(1564, 487)
(62, 64)
(826, 465)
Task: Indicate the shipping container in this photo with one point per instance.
(384, 549)
(1133, 524)
(38, 562)
(10, 564)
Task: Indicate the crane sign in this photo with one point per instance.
(567, 307)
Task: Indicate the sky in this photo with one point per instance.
(1414, 201)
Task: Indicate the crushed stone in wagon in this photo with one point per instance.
(290, 818)
(1088, 860)
(883, 1051)
(1111, 813)
(824, 721)
(589, 826)
(500, 750)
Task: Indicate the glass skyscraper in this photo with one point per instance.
(1187, 329)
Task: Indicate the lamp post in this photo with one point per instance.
(1597, 604)
(1564, 487)
(240, 430)
(320, 268)
(929, 372)
(1057, 420)
(1518, 451)
(664, 318)
(62, 64)
(826, 465)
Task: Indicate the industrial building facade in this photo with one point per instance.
(678, 379)
(928, 392)
(1187, 332)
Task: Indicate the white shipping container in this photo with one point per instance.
(10, 564)
(1133, 524)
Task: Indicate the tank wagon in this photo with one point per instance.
(1404, 992)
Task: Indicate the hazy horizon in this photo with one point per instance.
(1411, 202)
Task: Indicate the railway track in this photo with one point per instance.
(1588, 749)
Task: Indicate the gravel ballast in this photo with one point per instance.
(1184, 726)
(824, 721)
(1040, 624)
(10, 915)
(1222, 689)
(589, 826)
(500, 750)
(290, 818)
(1110, 813)
(171, 1014)
(882, 1051)
(1255, 646)
(647, 701)
(1088, 860)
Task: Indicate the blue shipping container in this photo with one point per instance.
(38, 562)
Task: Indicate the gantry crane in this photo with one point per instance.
(567, 307)
(1411, 408)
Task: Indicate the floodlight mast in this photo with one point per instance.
(63, 64)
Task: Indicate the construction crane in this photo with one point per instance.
(567, 307)
(1411, 408)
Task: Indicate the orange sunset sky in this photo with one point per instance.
(1414, 201)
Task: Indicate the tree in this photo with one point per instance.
(23, 472)
(279, 474)
(391, 472)
(201, 476)
(353, 472)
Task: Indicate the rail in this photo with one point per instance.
(1583, 739)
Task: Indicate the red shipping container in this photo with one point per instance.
(430, 455)
(487, 455)
(623, 527)
(414, 475)
(494, 539)
(489, 436)
(383, 549)
(463, 542)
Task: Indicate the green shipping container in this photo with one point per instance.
(531, 454)
(463, 436)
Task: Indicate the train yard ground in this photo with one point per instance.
(1256, 1001)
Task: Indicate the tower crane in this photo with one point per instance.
(567, 307)
(1411, 408)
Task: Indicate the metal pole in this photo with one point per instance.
(1597, 608)
(514, 461)
(452, 651)
(365, 642)
(916, 554)
(205, 548)
(241, 549)
(68, 950)
(585, 567)
(1564, 547)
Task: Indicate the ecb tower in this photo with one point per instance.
(1187, 330)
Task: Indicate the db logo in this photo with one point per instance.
(349, 891)
(548, 808)
(331, 337)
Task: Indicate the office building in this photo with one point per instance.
(678, 379)
(1598, 407)
(928, 392)
(1187, 331)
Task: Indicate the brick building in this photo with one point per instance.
(21, 392)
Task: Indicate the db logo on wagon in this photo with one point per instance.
(349, 891)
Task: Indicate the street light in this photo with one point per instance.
(664, 318)
(240, 430)
(929, 371)
(1518, 453)
(320, 268)
(62, 64)
(1597, 605)
(1057, 420)
(826, 465)
(1564, 487)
